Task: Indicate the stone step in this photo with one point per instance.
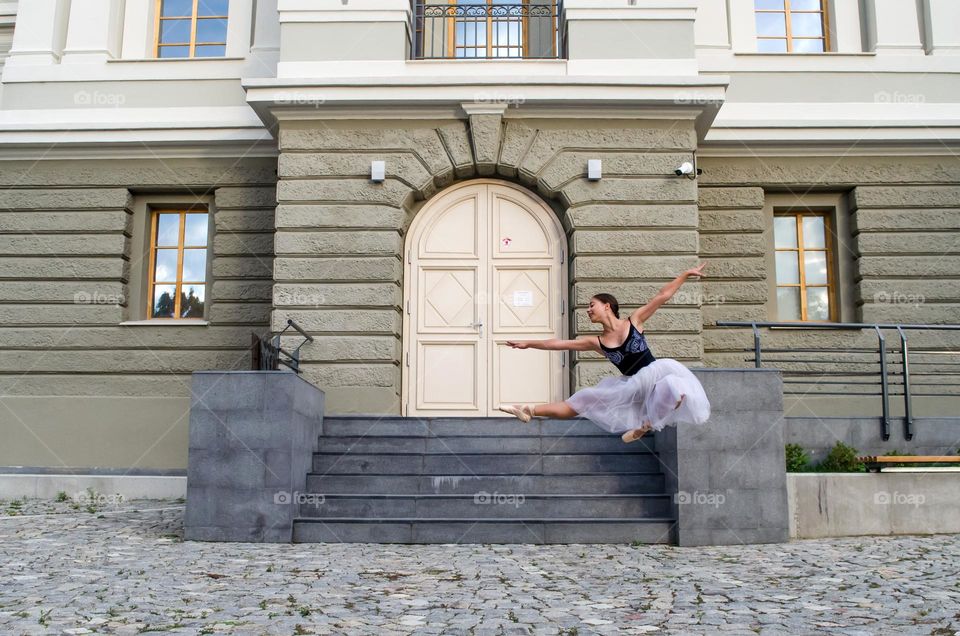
(460, 531)
(484, 463)
(572, 483)
(482, 444)
(362, 425)
(487, 505)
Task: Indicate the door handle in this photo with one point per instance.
(479, 325)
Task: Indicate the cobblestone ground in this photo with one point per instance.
(123, 569)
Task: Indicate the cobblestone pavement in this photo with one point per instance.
(123, 569)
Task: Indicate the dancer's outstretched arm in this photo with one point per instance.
(583, 343)
(666, 293)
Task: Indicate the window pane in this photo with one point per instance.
(818, 303)
(163, 305)
(165, 270)
(194, 266)
(506, 34)
(806, 25)
(191, 301)
(772, 46)
(213, 7)
(177, 8)
(211, 30)
(174, 51)
(815, 268)
(195, 230)
(801, 45)
(814, 233)
(788, 303)
(168, 230)
(769, 4)
(174, 31)
(806, 5)
(788, 270)
(771, 24)
(784, 231)
(210, 50)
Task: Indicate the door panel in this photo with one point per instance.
(450, 376)
(449, 300)
(484, 267)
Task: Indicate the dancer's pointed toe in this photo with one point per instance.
(524, 412)
(634, 435)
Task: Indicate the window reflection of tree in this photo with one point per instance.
(191, 305)
(164, 306)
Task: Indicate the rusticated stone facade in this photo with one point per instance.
(340, 237)
(80, 387)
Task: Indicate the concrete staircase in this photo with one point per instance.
(482, 480)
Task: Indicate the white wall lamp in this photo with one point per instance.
(688, 169)
(378, 171)
(594, 170)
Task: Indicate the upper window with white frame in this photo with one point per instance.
(191, 28)
(791, 26)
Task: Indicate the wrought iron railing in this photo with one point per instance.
(860, 368)
(268, 354)
(487, 29)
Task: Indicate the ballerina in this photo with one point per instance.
(649, 395)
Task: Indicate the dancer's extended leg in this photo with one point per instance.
(523, 412)
(559, 410)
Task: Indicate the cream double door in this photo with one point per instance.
(485, 264)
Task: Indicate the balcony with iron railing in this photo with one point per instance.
(487, 29)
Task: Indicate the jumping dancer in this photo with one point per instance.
(649, 395)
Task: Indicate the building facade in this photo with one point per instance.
(180, 173)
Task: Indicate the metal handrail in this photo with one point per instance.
(435, 20)
(268, 353)
(884, 372)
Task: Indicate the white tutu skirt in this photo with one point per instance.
(619, 404)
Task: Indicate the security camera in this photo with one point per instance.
(686, 168)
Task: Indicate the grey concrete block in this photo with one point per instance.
(249, 454)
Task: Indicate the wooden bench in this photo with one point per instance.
(876, 462)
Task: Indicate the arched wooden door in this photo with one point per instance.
(485, 263)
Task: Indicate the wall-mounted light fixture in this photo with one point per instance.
(378, 171)
(594, 169)
(688, 169)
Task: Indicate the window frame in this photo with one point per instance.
(831, 263)
(154, 221)
(194, 19)
(824, 27)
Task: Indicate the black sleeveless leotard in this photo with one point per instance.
(632, 355)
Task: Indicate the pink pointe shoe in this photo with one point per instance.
(634, 435)
(523, 412)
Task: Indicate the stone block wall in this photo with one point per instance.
(81, 388)
(899, 232)
(340, 238)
